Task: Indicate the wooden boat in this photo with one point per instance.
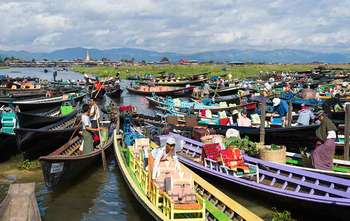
(114, 93)
(99, 94)
(217, 205)
(33, 105)
(341, 168)
(8, 146)
(185, 105)
(225, 91)
(160, 90)
(66, 163)
(8, 123)
(6, 93)
(34, 143)
(292, 137)
(31, 120)
(179, 81)
(272, 178)
(217, 99)
(20, 203)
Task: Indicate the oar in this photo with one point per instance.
(103, 155)
(98, 92)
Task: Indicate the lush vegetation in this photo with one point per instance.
(237, 71)
(28, 165)
(244, 144)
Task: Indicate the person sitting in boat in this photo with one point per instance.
(322, 156)
(162, 154)
(88, 142)
(206, 90)
(280, 107)
(306, 115)
(326, 125)
(98, 85)
(243, 119)
(234, 118)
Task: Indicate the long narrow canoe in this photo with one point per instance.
(66, 163)
(20, 203)
(42, 103)
(194, 106)
(34, 143)
(31, 120)
(160, 90)
(341, 168)
(218, 206)
(272, 178)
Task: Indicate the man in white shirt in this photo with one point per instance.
(163, 154)
(95, 114)
(88, 142)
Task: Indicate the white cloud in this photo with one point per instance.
(181, 26)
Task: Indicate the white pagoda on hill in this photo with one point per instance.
(87, 56)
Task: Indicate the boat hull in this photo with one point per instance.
(8, 146)
(62, 171)
(39, 105)
(35, 143)
(173, 93)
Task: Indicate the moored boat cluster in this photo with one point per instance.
(285, 135)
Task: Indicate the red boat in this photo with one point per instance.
(161, 90)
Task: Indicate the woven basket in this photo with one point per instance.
(277, 156)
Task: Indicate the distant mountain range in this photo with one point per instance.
(256, 56)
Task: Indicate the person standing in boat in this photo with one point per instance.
(326, 125)
(54, 75)
(95, 113)
(322, 156)
(305, 115)
(165, 153)
(88, 130)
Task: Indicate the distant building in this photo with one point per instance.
(187, 62)
(88, 61)
(87, 56)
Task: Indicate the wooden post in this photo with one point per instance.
(347, 132)
(262, 122)
(289, 115)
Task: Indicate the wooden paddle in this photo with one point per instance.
(103, 155)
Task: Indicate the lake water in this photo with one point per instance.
(103, 195)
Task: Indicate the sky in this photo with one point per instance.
(183, 26)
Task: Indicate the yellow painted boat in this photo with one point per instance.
(214, 204)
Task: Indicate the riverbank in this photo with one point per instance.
(13, 171)
(237, 71)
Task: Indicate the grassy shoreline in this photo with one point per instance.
(237, 71)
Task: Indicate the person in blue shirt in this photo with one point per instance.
(280, 106)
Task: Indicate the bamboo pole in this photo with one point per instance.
(289, 116)
(262, 122)
(103, 155)
(347, 132)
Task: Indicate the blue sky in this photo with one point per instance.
(178, 26)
